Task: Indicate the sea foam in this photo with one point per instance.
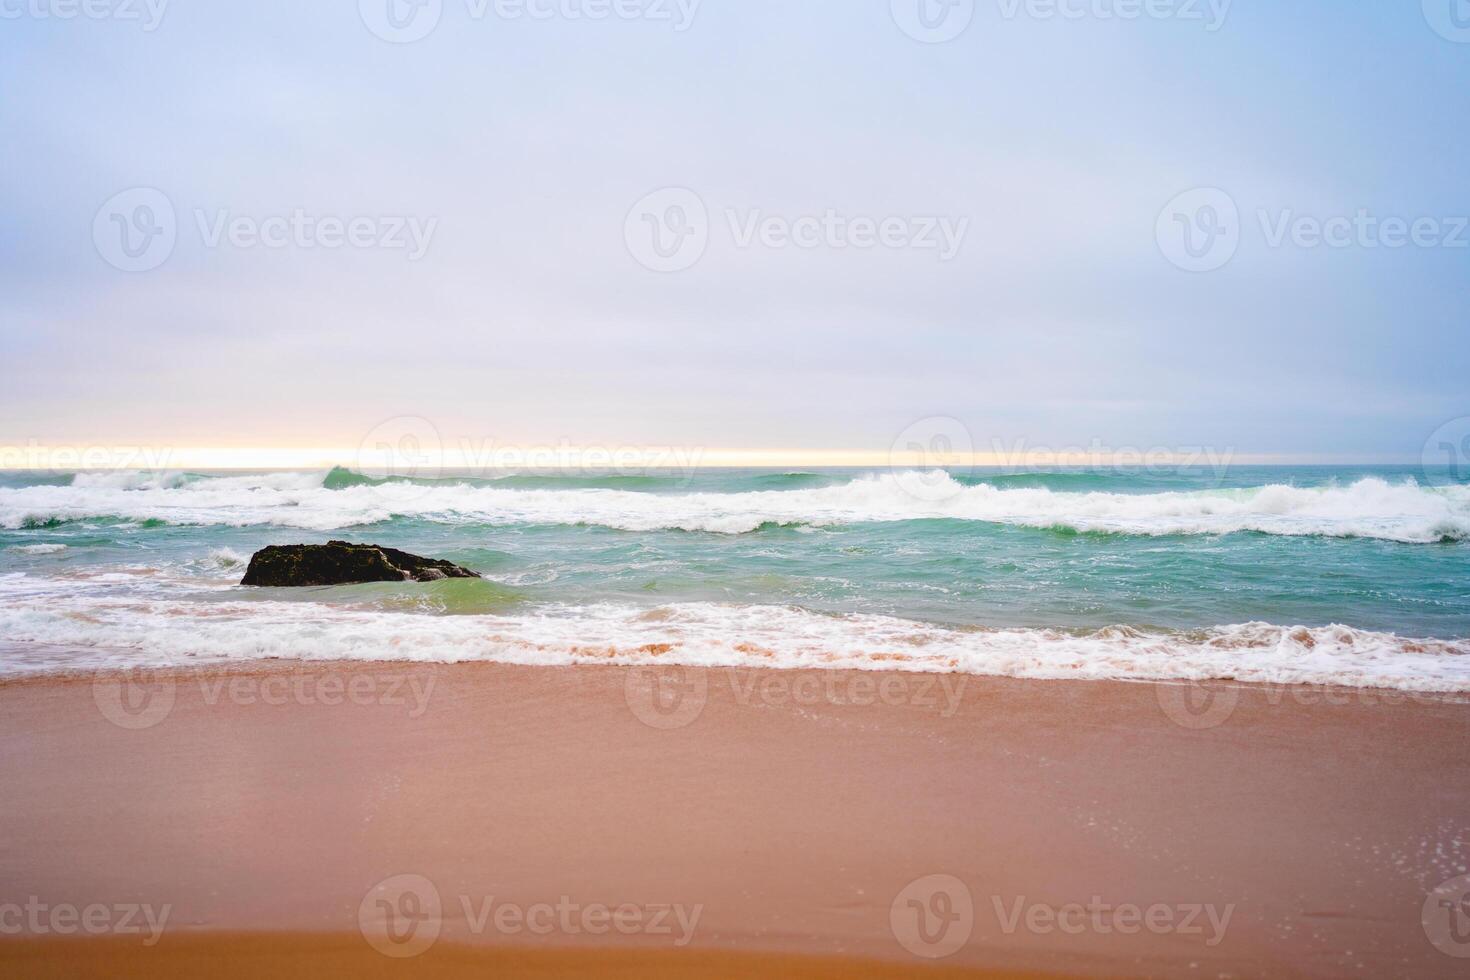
(1370, 507)
(56, 624)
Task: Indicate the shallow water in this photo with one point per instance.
(1271, 573)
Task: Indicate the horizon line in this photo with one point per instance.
(394, 462)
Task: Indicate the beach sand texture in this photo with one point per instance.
(800, 812)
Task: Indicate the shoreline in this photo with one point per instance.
(944, 685)
(761, 660)
(1083, 827)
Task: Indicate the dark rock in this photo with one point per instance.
(342, 563)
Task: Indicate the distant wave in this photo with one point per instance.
(53, 625)
(1370, 507)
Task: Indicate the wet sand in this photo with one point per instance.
(574, 821)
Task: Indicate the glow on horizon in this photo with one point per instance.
(620, 458)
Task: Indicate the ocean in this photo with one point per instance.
(1356, 576)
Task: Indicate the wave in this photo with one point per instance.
(339, 478)
(37, 549)
(1370, 507)
(50, 625)
(130, 480)
(225, 560)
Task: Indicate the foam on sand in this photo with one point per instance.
(64, 624)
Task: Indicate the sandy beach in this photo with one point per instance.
(336, 819)
(665, 489)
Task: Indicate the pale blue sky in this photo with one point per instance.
(528, 318)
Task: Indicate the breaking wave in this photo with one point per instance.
(1370, 507)
(54, 625)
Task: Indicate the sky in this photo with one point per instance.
(819, 225)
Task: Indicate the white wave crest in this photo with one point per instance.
(1369, 507)
(129, 480)
(63, 624)
(226, 558)
(37, 549)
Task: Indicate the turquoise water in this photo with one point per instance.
(117, 564)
